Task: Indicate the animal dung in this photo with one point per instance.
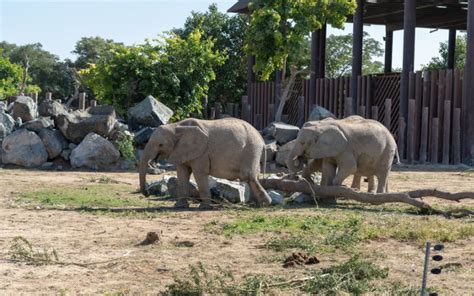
(151, 238)
(297, 259)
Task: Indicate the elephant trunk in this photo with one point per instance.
(150, 153)
(293, 162)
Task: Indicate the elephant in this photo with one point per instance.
(225, 148)
(350, 146)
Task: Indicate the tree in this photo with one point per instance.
(339, 55)
(441, 62)
(278, 29)
(90, 49)
(228, 33)
(176, 71)
(10, 77)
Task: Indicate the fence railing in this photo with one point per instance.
(431, 133)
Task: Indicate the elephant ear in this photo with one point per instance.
(190, 143)
(330, 143)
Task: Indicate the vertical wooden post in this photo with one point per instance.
(401, 137)
(82, 101)
(93, 103)
(375, 113)
(434, 140)
(300, 111)
(424, 135)
(244, 102)
(451, 48)
(204, 107)
(409, 24)
(271, 113)
(213, 113)
(258, 121)
(34, 96)
(467, 123)
(357, 44)
(322, 52)
(388, 49)
(446, 131)
(457, 136)
(388, 114)
(411, 131)
(362, 111)
(348, 107)
(217, 107)
(48, 96)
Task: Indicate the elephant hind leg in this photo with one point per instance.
(382, 182)
(259, 194)
(371, 187)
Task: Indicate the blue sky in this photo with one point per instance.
(59, 24)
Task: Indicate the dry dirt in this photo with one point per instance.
(123, 266)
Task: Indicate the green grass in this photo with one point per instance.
(87, 196)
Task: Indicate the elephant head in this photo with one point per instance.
(176, 143)
(317, 141)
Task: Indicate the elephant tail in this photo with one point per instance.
(264, 164)
(397, 155)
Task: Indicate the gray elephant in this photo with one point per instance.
(350, 146)
(226, 148)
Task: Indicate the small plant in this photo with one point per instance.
(125, 146)
(282, 244)
(22, 250)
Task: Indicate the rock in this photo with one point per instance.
(66, 154)
(172, 184)
(142, 136)
(271, 150)
(38, 124)
(76, 125)
(47, 166)
(54, 142)
(3, 132)
(234, 192)
(24, 148)
(149, 112)
(8, 122)
(72, 146)
(155, 171)
(301, 198)
(94, 152)
(277, 197)
(283, 153)
(158, 188)
(282, 132)
(24, 108)
(51, 108)
(320, 113)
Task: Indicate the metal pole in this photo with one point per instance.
(425, 269)
(357, 51)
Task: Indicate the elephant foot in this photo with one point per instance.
(205, 207)
(181, 204)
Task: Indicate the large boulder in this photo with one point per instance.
(320, 113)
(142, 136)
(24, 148)
(94, 152)
(24, 108)
(234, 192)
(77, 125)
(7, 121)
(54, 142)
(38, 124)
(282, 132)
(149, 112)
(284, 153)
(51, 108)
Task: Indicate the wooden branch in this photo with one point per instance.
(411, 197)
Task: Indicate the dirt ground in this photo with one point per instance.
(121, 266)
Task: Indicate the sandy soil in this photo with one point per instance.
(122, 266)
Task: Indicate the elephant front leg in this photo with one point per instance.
(184, 173)
(202, 181)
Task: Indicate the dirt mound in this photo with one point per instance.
(300, 259)
(151, 238)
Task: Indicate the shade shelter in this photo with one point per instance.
(406, 15)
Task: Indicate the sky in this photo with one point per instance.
(58, 24)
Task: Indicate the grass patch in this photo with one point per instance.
(87, 196)
(21, 250)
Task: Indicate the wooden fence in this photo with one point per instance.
(431, 133)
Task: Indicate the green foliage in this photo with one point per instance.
(353, 276)
(174, 70)
(45, 69)
(22, 250)
(441, 62)
(339, 53)
(10, 77)
(125, 147)
(278, 29)
(89, 50)
(228, 33)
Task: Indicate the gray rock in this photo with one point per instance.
(320, 113)
(282, 132)
(72, 146)
(47, 166)
(76, 125)
(38, 124)
(283, 153)
(8, 122)
(277, 197)
(155, 171)
(271, 150)
(3, 132)
(158, 188)
(149, 112)
(52, 108)
(142, 136)
(301, 198)
(94, 152)
(24, 108)
(54, 142)
(24, 148)
(234, 192)
(66, 154)
(172, 184)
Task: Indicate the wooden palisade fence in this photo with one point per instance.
(431, 133)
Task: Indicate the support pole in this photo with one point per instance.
(322, 52)
(451, 48)
(468, 102)
(409, 24)
(388, 50)
(315, 40)
(357, 39)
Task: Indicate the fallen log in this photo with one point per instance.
(413, 198)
